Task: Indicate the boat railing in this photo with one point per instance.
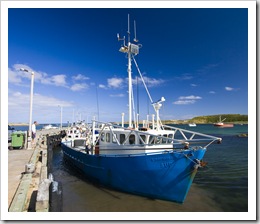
(166, 136)
(193, 134)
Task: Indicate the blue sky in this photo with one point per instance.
(196, 58)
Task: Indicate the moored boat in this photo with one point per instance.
(156, 161)
(220, 124)
(49, 126)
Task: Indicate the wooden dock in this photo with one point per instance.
(28, 183)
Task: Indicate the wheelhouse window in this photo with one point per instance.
(114, 138)
(163, 139)
(143, 138)
(122, 138)
(155, 140)
(170, 136)
(132, 139)
(107, 137)
(158, 140)
(102, 137)
(151, 139)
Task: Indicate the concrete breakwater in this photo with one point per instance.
(31, 185)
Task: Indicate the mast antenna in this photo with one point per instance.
(135, 40)
(131, 50)
(128, 30)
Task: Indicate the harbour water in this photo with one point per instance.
(221, 186)
(38, 126)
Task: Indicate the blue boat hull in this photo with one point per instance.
(166, 176)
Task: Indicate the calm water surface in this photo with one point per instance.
(222, 186)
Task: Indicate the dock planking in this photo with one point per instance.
(21, 184)
(16, 167)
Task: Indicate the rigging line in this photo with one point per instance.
(142, 80)
(147, 101)
(137, 103)
(145, 85)
(97, 101)
(137, 93)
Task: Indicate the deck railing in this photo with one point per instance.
(165, 137)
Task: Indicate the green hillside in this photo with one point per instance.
(230, 118)
(210, 119)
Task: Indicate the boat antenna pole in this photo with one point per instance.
(137, 88)
(129, 70)
(135, 40)
(128, 30)
(130, 49)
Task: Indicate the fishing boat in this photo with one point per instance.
(220, 124)
(192, 125)
(155, 161)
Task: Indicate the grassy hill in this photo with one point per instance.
(209, 119)
(230, 118)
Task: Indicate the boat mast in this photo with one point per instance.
(130, 49)
(133, 50)
(129, 70)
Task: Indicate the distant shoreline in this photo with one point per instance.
(164, 122)
(174, 122)
(18, 124)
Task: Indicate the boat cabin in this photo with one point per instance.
(127, 141)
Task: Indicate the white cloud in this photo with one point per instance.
(58, 80)
(16, 76)
(150, 82)
(17, 94)
(47, 101)
(212, 92)
(117, 95)
(185, 76)
(80, 77)
(115, 82)
(79, 87)
(44, 107)
(191, 97)
(101, 86)
(193, 85)
(13, 77)
(229, 88)
(184, 100)
(17, 100)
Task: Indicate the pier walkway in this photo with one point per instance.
(16, 167)
(23, 185)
